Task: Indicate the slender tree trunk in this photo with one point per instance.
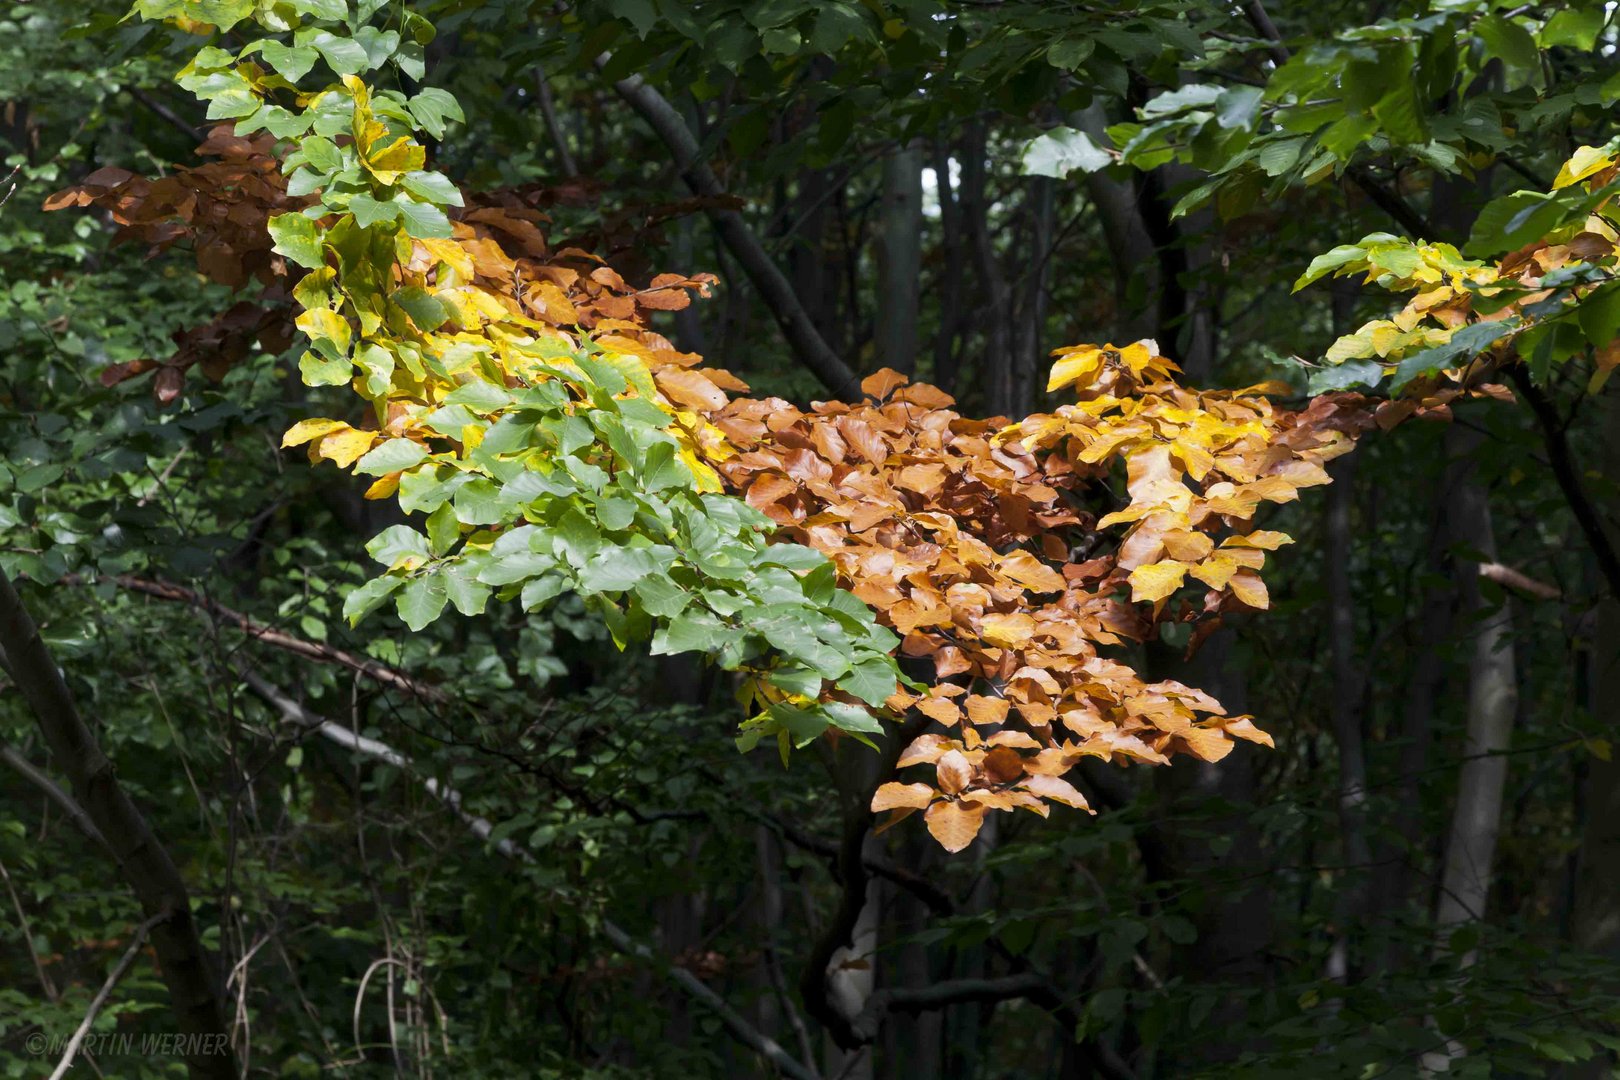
(1465, 879)
(1396, 854)
(188, 969)
(900, 260)
(953, 271)
(1130, 248)
(996, 371)
(1345, 707)
(1031, 331)
(1596, 919)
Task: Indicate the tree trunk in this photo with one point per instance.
(1596, 920)
(1465, 878)
(1345, 707)
(187, 967)
(900, 260)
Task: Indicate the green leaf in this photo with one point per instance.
(343, 55)
(320, 370)
(871, 680)
(465, 591)
(443, 529)
(639, 13)
(427, 311)
(298, 238)
(660, 596)
(615, 569)
(480, 396)
(1237, 105)
(423, 220)
(291, 61)
(362, 601)
(421, 600)
(1343, 376)
(1507, 39)
(1326, 263)
(392, 456)
(336, 10)
(1062, 151)
(368, 211)
(691, 631)
(433, 187)
(1599, 315)
(397, 543)
(433, 108)
(1576, 27)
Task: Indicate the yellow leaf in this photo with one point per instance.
(1007, 631)
(383, 487)
(307, 430)
(1156, 581)
(1268, 540)
(1247, 587)
(344, 448)
(1243, 728)
(986, 710)
(1057, 790)
(1075, 366)
(1216, 570)
(954, 771)
(1583, 163)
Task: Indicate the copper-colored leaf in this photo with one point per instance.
(954, 824)
(1057, 790)
(954, 771)
(893, 795)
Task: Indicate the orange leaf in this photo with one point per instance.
(986, 710)
(1056, 789)
(953, 824)
(894, 795)
(954, 771)
(881, 383)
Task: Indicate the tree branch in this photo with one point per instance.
(375, 670)
(186, 966)
(939, 996)
(740, 1029)
(1386, 200)
(64, 802)
(806, 341)
(1567, 475)
(136, 941)
(168, 115)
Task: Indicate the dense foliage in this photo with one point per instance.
(416, 845)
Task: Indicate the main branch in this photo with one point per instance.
(802, 336)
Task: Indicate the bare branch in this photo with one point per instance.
(802, 336)
(137, 940)
(1509, 578)
(375, 670)
(1568, 475)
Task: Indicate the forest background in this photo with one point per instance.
(1423, 872)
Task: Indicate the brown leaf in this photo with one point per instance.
(1003, 765)
(954, 771)
(1057, 790)
(894, 795)
(879, 384)
(986, 710)
(953, 824)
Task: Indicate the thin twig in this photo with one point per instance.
(137, 940)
